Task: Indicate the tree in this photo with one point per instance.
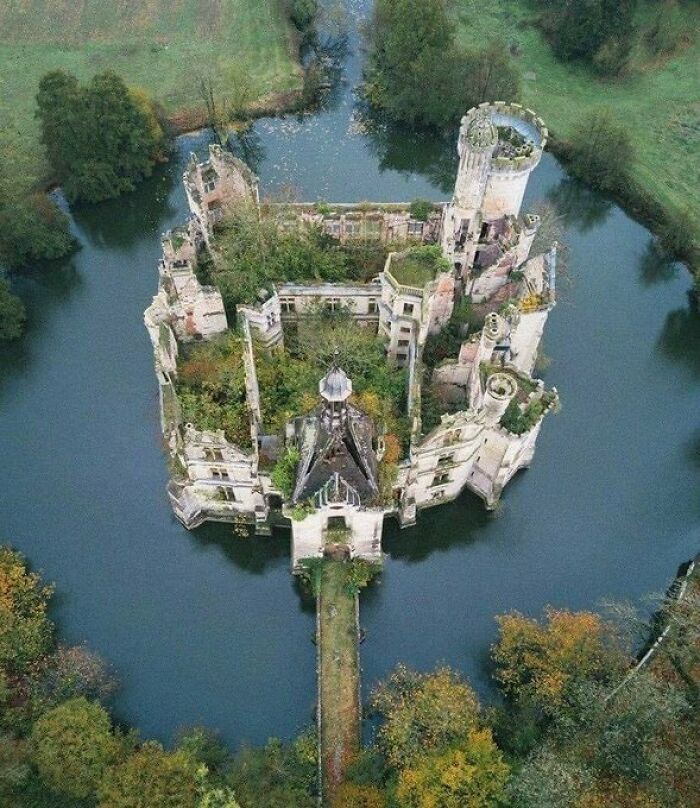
(600, 150)
(151, 777)
(411, 50)
(351, 795)
(539, 663)
(277, 775)
(32, 227)
(423, 712)
(73, 746)
(548, 780)
(100, 138)
(473, 774)
(25, 631)
(489, 75)
(71, 672)
(579, 29)
(417, 75)
(12, 314)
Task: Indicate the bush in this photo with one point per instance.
(73, 746)
(284, 474)
(600, 151)
(667, 30)
(590, 29)
(303, 13)
(151, 777)
(101, 139)
(421, 209)
(12, 314)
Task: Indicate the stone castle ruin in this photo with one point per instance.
(493, 406)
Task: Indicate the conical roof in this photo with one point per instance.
(335, 385)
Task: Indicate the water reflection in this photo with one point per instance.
(680, 337)
(134, 217)
(247, 145)
(253, 554)
(454, 524)
(656, 265)
(409, 152)
(578, 205)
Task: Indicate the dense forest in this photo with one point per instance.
(578, 725)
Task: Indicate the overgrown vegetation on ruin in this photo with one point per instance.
(252, 252)
(418, 266)
(211, 387)
(211, 377)
(288, 379)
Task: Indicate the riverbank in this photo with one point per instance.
(165, 53)
(656, 101)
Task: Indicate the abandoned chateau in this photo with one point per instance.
(343, 482)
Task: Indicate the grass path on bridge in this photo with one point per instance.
(339, 701)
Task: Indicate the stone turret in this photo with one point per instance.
(478, 138)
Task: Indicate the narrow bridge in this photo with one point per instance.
(338, 669)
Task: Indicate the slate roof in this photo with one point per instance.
(342, 453)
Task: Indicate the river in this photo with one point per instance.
(207, 627)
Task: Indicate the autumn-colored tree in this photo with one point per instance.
(473, 774)
(73, 746)
(392, 449)
(423, 712)
(537, 662)
(351, 795)
(25, 630)
(151, 777)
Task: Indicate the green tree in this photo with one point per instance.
(580, 29)
(416, 74)
(73, 746)
(473, 774)
(423, 712)
(25, 631)
(151, 777)
(408, 43)
(12, 314)
(351, 795)
(277, 775)
(600, 150)
(100, 138)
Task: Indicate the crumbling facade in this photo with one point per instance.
(494, 408)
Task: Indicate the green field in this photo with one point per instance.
(659, 101)
(160, 45)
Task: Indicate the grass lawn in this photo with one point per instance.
(338, 652)
(659, 101)
(160, 45)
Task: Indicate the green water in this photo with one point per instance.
(207, 627)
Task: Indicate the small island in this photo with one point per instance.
(303, 394)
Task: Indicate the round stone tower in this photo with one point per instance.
(500, 390)
(478, 138)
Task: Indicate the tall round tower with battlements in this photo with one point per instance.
(499, 146)
(478, 138)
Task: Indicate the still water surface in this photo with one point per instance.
(206, 627)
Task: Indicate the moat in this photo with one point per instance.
(210, 628)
